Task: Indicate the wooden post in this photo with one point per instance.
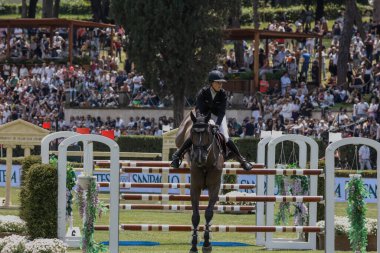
(112, 37)
(8, 42)
(320, 61)
(8, 174)
(256, 63)
(51, 35)
(71, 33)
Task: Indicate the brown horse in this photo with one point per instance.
(206, 159)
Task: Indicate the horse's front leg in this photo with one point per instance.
(195, 192)
(213, 192)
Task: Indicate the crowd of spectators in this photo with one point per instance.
(46, 44)
(38, 93)
(287, 104)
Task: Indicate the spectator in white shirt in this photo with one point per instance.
(285, 82)
(361, 109)
(364, 155)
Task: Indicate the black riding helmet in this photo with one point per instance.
(216, 76)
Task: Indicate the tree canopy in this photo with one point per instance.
(174, 43)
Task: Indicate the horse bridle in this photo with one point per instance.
(200, 128)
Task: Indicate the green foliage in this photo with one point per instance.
(135, 143)
(40, 201)
(24, 191)
(175, 43)
(356, 212)
(82, 60)
(89, 245)
(240, 76)
(296, 11)
(65, 7)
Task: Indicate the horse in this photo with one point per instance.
(206, 163)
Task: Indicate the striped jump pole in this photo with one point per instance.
(214, 228)
(286, 172)
(220, 208)
(176, 186)
(105, 164)
(166, 197)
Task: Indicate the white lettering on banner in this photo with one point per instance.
(340, 183)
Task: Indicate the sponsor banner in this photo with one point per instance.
(340, 183)
(341, 194)
(16, 176)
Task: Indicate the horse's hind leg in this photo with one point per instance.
(197, 182)
(213, 192)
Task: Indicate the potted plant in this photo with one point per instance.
(342, 226)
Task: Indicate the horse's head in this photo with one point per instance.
(201, 137)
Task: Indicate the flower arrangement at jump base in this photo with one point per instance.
(19, 244)
(354, 230)
(12, 224)
(89, 209)
(356, 211)
(294, 185)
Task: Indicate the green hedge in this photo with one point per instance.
(26, 163)
(73, 8)
(39, 201)
(267, 14)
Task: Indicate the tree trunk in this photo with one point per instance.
(24, 9)
(96, 6)
(47, 8)
(238, 45)
(345, 41)
(105, 10)
(376, 11)
(256, 17)
(358, 22)
(178, 106)
(32, 8)
(320, 10)
(56, 8)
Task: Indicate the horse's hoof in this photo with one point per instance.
(207, 249)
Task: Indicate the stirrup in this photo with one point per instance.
(246, 165)
(176, 161)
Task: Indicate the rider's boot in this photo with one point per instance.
(246, 165)
(177, 156)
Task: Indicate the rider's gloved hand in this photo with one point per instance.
(215, 129)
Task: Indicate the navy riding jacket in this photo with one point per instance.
(217, 106)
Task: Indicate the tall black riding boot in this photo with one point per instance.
(177, 156)
(246, 165)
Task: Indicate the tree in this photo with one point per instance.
(56, 8)
(376, 11)
(256, 17)
(320, 9)
(174, 43)
(100, 10)
(235, 14)
(47, 8)
(345, 41)
(23, 9)
(32, 8)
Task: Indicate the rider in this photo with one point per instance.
(213, 99)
